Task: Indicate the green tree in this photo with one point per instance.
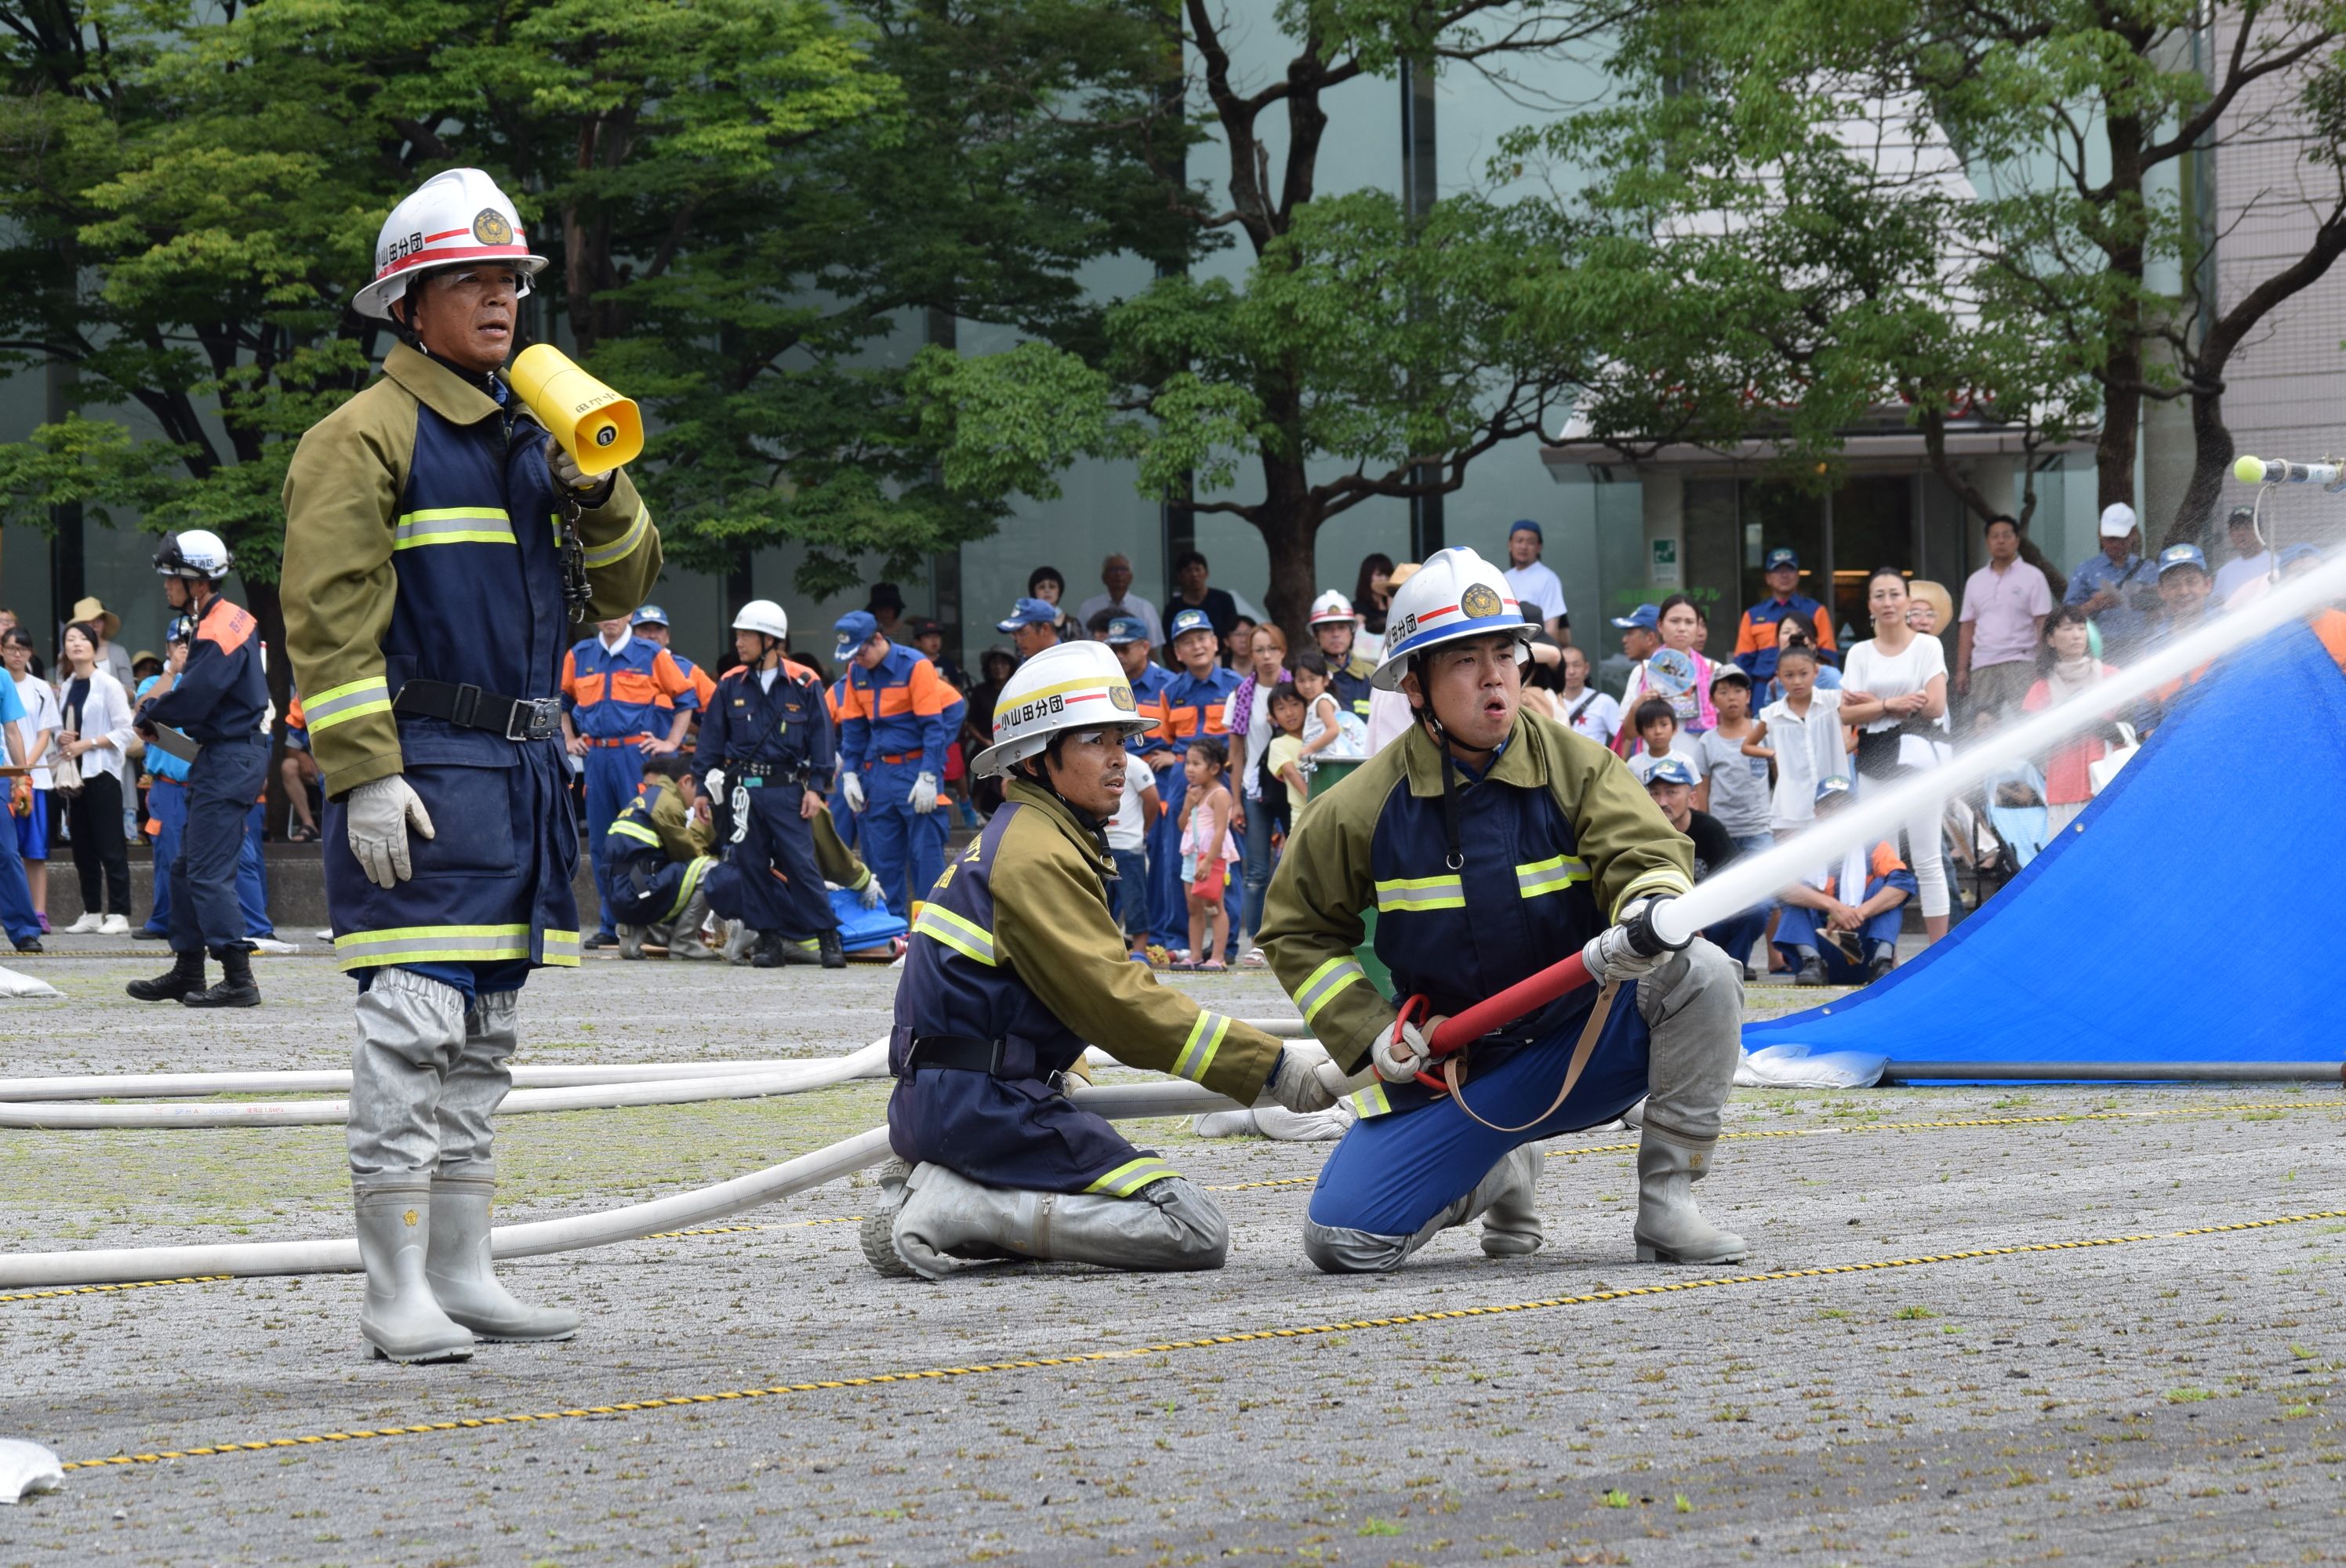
(1366, 353)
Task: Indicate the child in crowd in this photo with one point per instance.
(1207, 850)
(1738, 781)
(1330, 734)
(1588, 712)
(1792, 633)
(1801, 733)
(1841, 922)
(1658, 736)
(2067, 669)
(1288, 752)
(1128, 837)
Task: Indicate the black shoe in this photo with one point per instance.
(600, 939)
(143, 934)
(236, 987)
(1813, 973)
(1879, 967)
(834, 955)
(185, 977)
(30, 945)
(768, 954)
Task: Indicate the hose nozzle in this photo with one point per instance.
(1653, 932)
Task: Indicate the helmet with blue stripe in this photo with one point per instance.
(1454, 596)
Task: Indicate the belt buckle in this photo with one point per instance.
(532, 720)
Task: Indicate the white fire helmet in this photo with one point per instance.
(763, 616)
(192, 553)
(1330, 608)
(456, 218)
(1456, 594)
(1072, 686)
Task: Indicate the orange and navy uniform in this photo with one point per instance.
(612, 698)
(1883, 866)
(221, 693)
(901, 712)
(1755, 638)
(1187, 707)
(703, 686)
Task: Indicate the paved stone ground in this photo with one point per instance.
(2165, 1399)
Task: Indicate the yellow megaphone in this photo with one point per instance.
(598, 428)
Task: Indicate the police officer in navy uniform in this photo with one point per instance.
(765, 751)
(218, 702)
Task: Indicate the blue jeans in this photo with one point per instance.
(1256, 860)
(1132, 892)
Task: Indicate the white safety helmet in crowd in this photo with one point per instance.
(1071, 686)
(763, 616)
(195, 553)
(459, 219)
(1331, 609)
(1456, 594)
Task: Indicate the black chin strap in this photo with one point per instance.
(1433, 721)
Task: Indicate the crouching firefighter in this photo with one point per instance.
(766, 739)
(440, 547)
(1015, 963)
(1493, 842)
(660, 857)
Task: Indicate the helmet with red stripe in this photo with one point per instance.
(1454, 596)
(457, 219)
(1071, 686)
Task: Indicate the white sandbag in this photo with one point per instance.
(1797, 1067)
(14, 984)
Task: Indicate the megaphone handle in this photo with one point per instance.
(576, 590)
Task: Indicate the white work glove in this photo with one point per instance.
(851, 785)
(870, 892)
(1401, 1061)
(714, 785)
(924, 793)
(1304, 1081)
(566, 470)
(375, 821)
(1611, 958)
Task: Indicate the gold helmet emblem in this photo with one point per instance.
(490, 227)
(1480, 602)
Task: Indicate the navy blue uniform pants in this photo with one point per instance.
(222, 783)
(747, 887)
(1015, 1132)
(613, 774)
(651, 890)
(167, 818)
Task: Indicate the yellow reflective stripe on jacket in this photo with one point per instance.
(635, 831)
(1422, 893)
(693, 871)
(443, 945)
(1131, 1176)
(1371, 1101)
(1551, 876)
(1198, 1052)
(452, 525)
(1326, 980)
(1661, 880)
(963, 936)
(619, 549)
(559, 948)
(352, 701)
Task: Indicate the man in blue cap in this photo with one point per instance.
(651, 625)
(900, 716)
(1757, 638)
(1533, 582)
(1033, 626)
(1193, 704)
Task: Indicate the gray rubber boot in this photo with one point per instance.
(400, 1318)
(684, 942)
(1670, 1229)
(1510, 1225)
(464, 1281)
(877, 1232)
(1340, 1249)
(631, 942)
(948, 1220)
(738, 942)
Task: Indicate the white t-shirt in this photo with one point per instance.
(1537, 585)
(41, 712)
(1868, 670)
(1807, 751)
(2236, 573)
(1592, 713)
(1126, 830)
(1681, 746)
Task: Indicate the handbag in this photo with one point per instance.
(65, 772)
(2103, 768)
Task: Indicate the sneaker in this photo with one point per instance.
(324, 933)
(600, 939)
(1254, 959)
(271, 944)
(87, 924)
(115, 925)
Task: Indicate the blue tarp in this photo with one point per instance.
(2191, 914)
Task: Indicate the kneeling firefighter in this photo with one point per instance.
(1015, 961)
(440, 547)
(766, 736)
(660, 854)
(1493, 842)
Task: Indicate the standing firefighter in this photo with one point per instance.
(766, 739)
(1015, 963)
(1493, 843)
(440, 549)
(219, 701)
(660, 852)
(900, 716)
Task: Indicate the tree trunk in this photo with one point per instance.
(268, 609)
(1289, 525)
(2211, 461)
(2121, 373)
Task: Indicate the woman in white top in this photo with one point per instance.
(96, 735)
(39, 729)
(1894, 689)
(1589, 711)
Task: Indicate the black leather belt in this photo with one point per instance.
(469, 707)
(962, 1051)
(766, 772)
